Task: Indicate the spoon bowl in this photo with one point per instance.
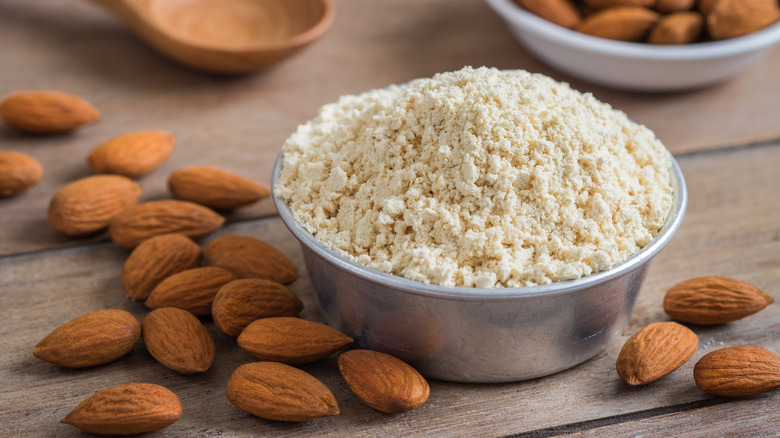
(226, 36)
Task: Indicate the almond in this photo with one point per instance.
(156, 259)
(248, 257)
(132, 155)
(383, 382)
(677, 28)
(293, 341)
(93, 339)
(142, 221)
(561, 12)
(275, 391)
(18, 172)
(714, 300)
(88, 205)
(655, 351)
(126, 409)
(733, 18)
(178, 340)
(215, 188)
(623, 23)
(46, 112)
(738, 371)
(192, 290)
(669, 6)
(601, 4)
(240, 302)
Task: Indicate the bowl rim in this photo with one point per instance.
(679, 205)
(527, 21)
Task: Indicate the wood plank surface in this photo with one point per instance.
(240, 123)
(731, 229)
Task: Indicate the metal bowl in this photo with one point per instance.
(478, 335)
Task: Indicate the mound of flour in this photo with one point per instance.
(478, 178)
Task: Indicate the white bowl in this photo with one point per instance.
(635, 66)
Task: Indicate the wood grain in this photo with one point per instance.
(731, 229)
(240, 123)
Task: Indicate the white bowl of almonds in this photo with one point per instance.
(645, 45)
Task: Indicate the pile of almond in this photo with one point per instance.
(662, 347)
(658, 21)
(237, 281)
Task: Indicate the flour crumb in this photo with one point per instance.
(478, 178)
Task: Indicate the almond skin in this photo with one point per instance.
(46, 112)
(655, 351)
(734, 18)
(292, 341)
(215, 188)
(669, 6)
(601, 4)
(93, 339)
(18, 172)
(242, 301)
(275, 391)
(88, 205)
(140, 222)
(677, 28)
(561, 12)
(714, 300)
(192, 290)
(156, 259)
(706, 6)
(383, 382)
(248, 257)
(738, 371)
(132, 155)
(126, 409)
(178, 340)
(623, 23)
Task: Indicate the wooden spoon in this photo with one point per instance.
(226, 36)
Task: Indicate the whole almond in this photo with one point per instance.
(132, 155)
(178, 340)
(383, 382)
(240, 302)
(669, 6)
(88, 205)
(142, 221)
(655, 351)
(677, 28)
(93, 339)
(18, 172)
(156, 259)
(561, 12)
(292, 341)
(714, 300)
(623, 23)
(275, 391)
(215, 188)
(738, 371)
(733, 18)
(192, 290)
(46, 112)
(248, 257)
(126, 409)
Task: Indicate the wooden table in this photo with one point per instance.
(726, 139)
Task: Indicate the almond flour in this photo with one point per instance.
(478, 178)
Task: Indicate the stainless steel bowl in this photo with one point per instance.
(478, 335)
